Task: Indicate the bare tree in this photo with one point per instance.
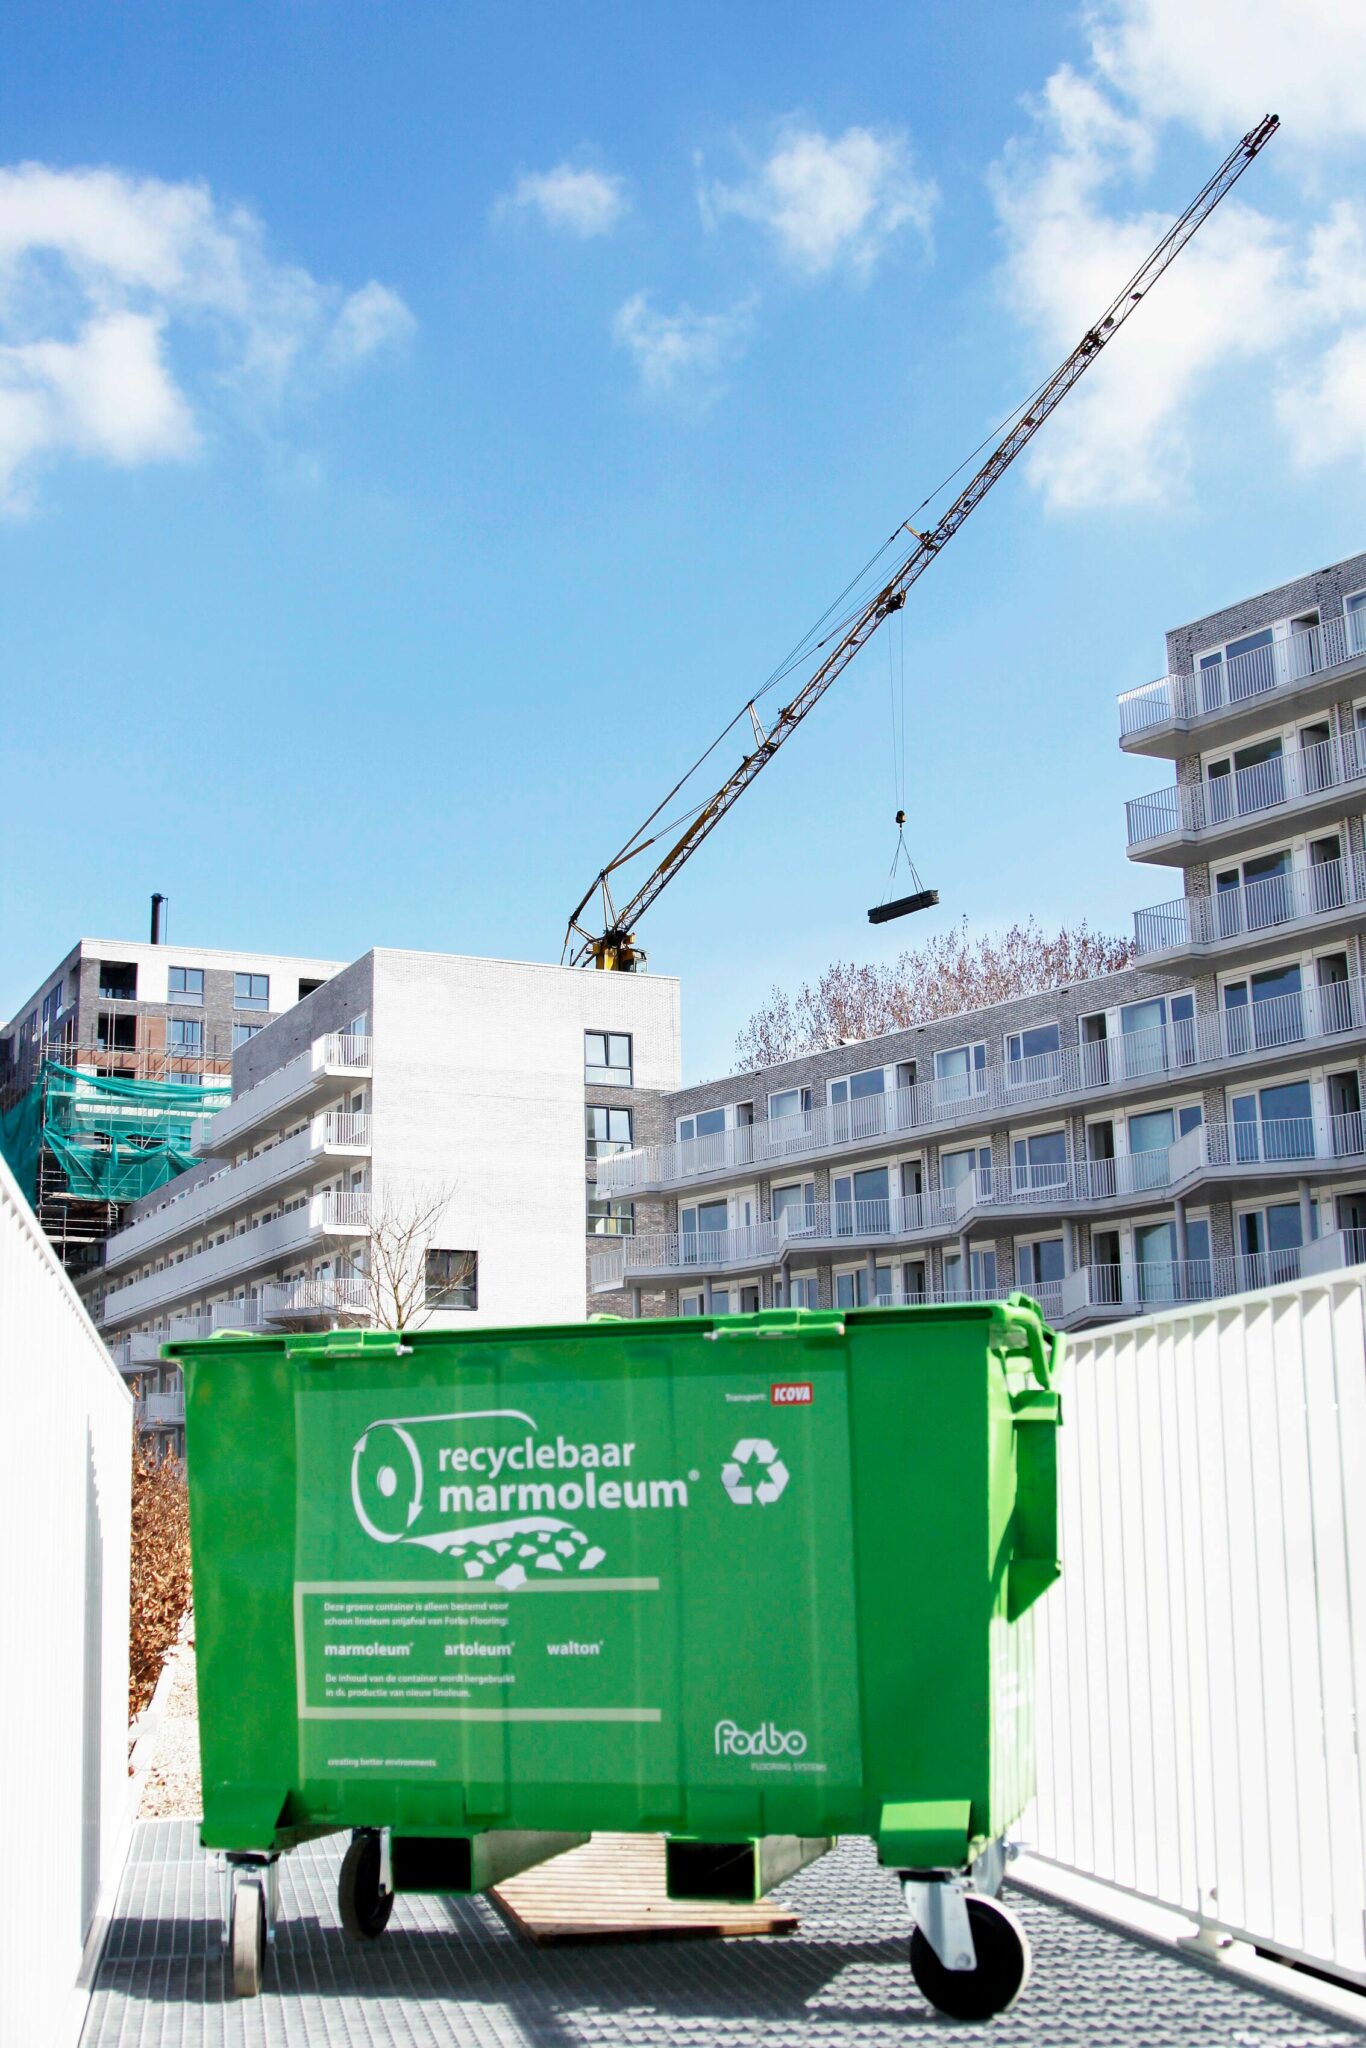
(948, 974)
(405, 1222)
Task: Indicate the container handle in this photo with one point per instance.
(1023, 1318)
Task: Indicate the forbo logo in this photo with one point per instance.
(754, 1472)
(766, 1740)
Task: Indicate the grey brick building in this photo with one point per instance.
(1186, 1128)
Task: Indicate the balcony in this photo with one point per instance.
(323, 1217)
(161, 1411)
(1105, 1293)
(653, 1255)
(1333, 1251)
(1303, 673)
(339, 1057)
(1255, 918)
(1261, 1033)
(1229, 813)
(322, 1301)
(332, 1133)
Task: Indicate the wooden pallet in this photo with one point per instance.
(612, 1889)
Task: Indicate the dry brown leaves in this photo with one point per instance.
(160, 1581)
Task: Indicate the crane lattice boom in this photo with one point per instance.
(614, 946)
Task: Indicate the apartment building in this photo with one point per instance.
(469, 1102)
(146, 1018)
(1186, 1128)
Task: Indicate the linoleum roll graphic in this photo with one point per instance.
(484, 1491)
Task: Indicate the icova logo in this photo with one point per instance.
(765, 1740)
(754, 1472)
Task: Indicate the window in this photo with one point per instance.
(242, 1034)
(858, 1098)
(185, 1034)
(607, 1058)
(1032, 1045)
(610, 1219)
(186, 984)
(1040, 1263)
(960, 1071)
(981, 1275)
(1251, 779)
(1276, 1122)
(789, 1102)
(251, 991)
(861, 1205)
(118, 982)
(1257, 894)
(1356, 622)
(452, 1280)
(1041, 1160)
(1269, 1242)
(793, 1204)
(954, 1167)
(855, 1087)
(805, 1291)
(52, 1008)
(705, 1124)
(116, 1033)
(306, 988)
(1156, 1034)
(1273, 1016)
(606, 1130)
(851, 1289)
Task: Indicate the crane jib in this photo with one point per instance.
(614, 946)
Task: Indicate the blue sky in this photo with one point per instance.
(422, 427)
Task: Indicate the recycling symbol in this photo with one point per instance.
(754, 1472)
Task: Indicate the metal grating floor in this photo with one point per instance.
(452, 1975)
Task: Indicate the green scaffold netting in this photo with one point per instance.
(114, 1138)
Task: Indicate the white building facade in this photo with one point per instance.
(424, 1088)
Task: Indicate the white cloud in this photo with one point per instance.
(671, 347)
(118, 294)
(1253, 287)
(584, 202)
(1219, 65)
(370, 319)
(830, 201)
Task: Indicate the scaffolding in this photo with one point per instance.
(84, 1140)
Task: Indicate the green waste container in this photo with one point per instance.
(751, 1582)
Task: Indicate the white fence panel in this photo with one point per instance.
(1201, 1666)
(64, 1530)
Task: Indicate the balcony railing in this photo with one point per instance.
(1336, 1248)
(161, 1411)
(334, 1294)
(1185, 1047)
(1284, 665)
(1261, 906)
(1296, 776)
(1114, 1290)
(347, 1211)
(348, 1129)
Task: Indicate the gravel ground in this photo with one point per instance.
(171, 1790)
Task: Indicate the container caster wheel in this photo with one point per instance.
(362, 1901)
(247, 1937)
(1002, 1969)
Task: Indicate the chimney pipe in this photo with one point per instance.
(158, 907)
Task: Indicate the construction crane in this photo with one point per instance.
(614, 947)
